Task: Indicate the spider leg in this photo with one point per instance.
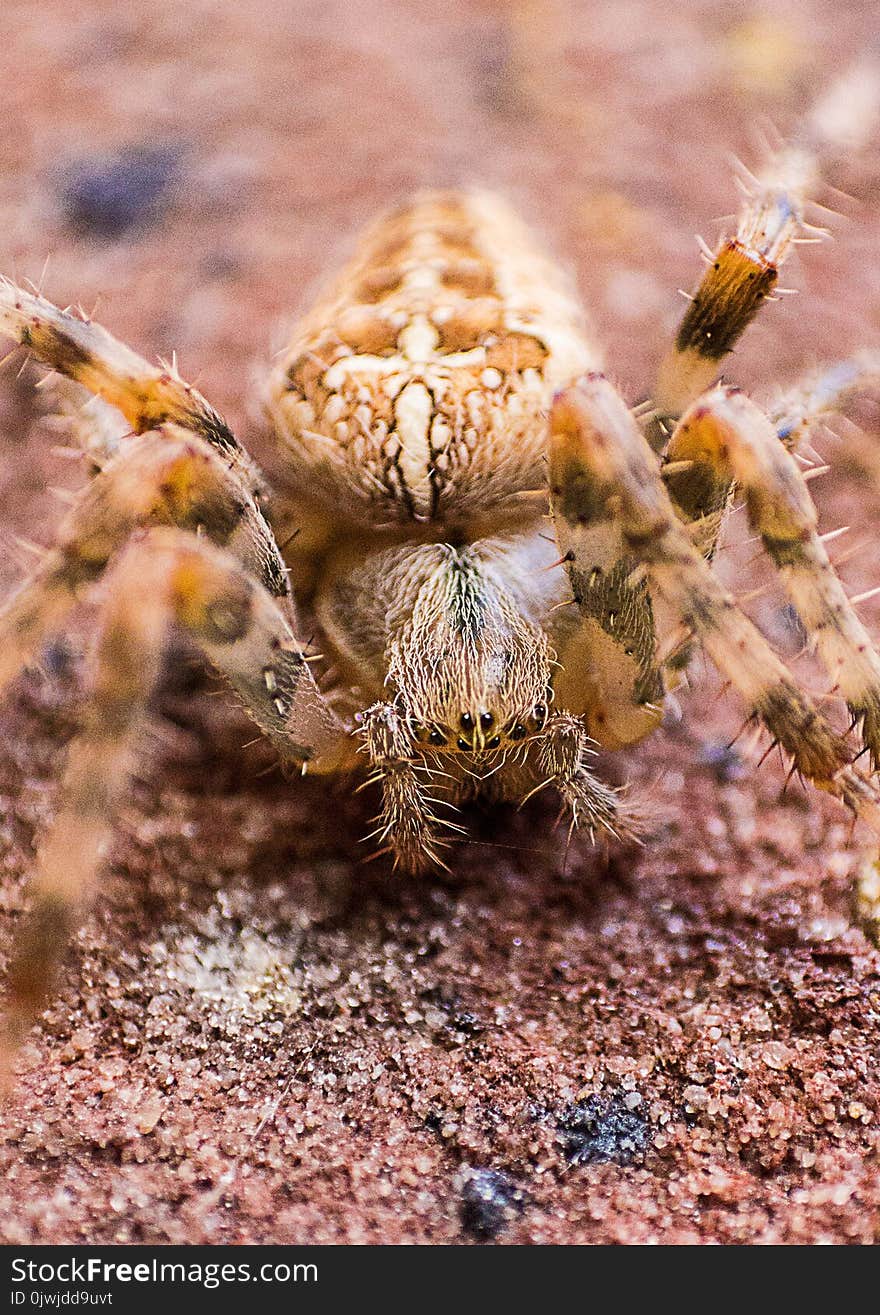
(831, 388)
(702, 487)
(408, 824)
(597, 441)
(743, 270)
(169, 477)
(740, 277)
(564, 754)
(147, 395)
(164, 577)
(88, 423)
(702, 490)
(728, 438)
(606, 641)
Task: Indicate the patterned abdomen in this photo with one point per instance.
(417, 388)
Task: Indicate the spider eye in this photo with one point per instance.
(540, 714)
(494, 742)
(436, 737)
(486, 720)
(466, 721)
(519, 732)
(462, 744)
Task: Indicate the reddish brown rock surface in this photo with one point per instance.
(259, 1038)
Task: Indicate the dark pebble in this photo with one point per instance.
(112, 195)
(601, 1129)
(724, 761)
(489, 1203)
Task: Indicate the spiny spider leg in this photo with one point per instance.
(88, 423)
(740, 278)
(179, 483)
(170, 478)
(743, 271)
(203, 481)
(188, 475)
(164, 577)
(728, 438)
(408, 824)
(593, 805)
(821, 393)
(702, 491)
(606, 643)
(595, 437)
(147, 395)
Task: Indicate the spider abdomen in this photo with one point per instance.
(417, 388)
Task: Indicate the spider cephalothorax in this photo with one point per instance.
(505, 565)
(470, 666)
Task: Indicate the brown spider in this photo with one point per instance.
(442, 400)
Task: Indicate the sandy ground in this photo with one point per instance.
(258, 1037)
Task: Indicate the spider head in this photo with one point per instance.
(482, 732)
(472, 672)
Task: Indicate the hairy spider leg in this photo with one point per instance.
(597, 438)
(163, 577)
(743, 271)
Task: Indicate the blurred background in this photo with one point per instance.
(290, 1045)
(196, 166)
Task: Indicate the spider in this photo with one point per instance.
(506, 565)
